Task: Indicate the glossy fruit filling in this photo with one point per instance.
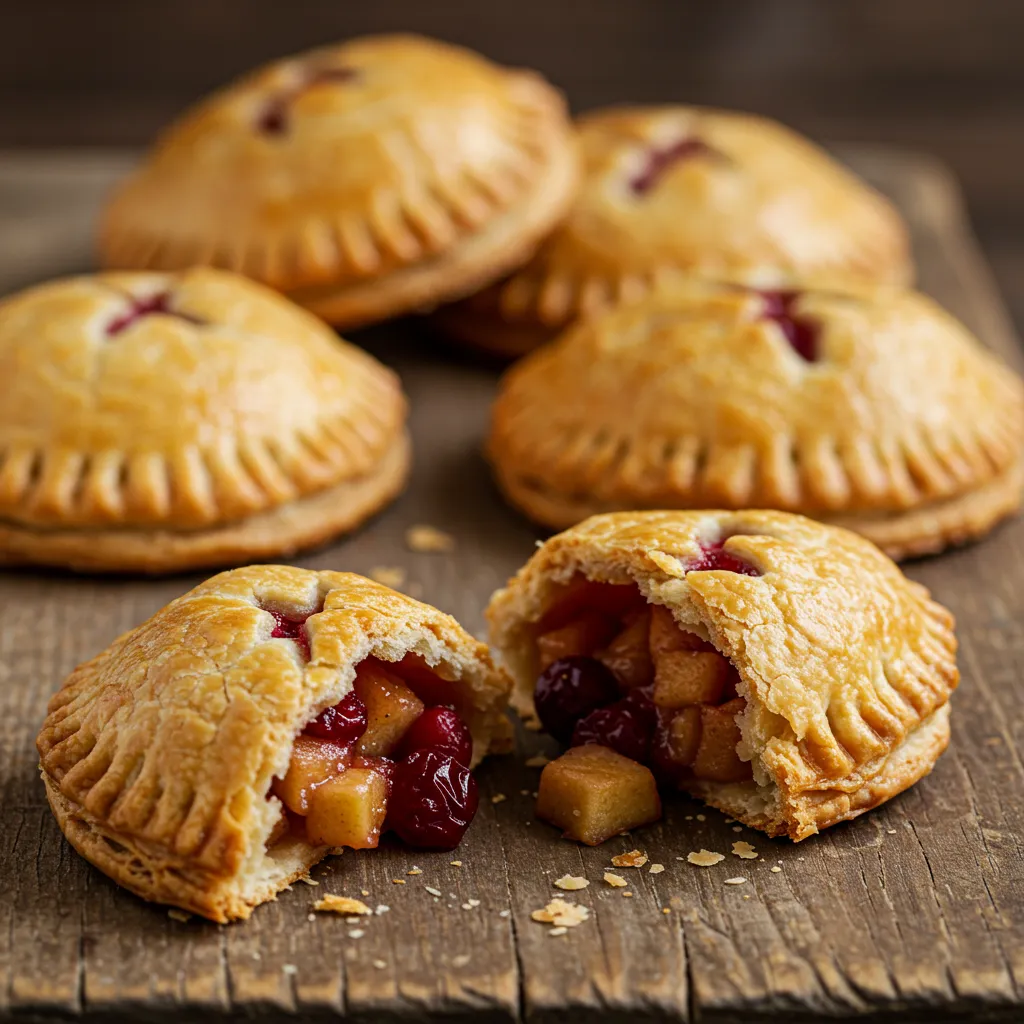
(394, 754)
(620, 674)
(800, 332)
(150, 305)
(273, 117)
(658, 159)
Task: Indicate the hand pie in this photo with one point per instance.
(871, 409)
(364, 180)
(214, 754)
(784, 671)
(157, 422)
(708, 193)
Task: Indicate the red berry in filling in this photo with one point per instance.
(442, 730)
(714, 556)
(149, 306)
(433, 800)
(660, 159)
(569, 689)
(801, 333)
(625, 726)
(292, 629)
(343, 723)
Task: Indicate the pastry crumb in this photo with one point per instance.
(665, 910)
(617, 881)
(776, 869)
(737, 828)
(455, 863)
(891, 831)
(627, 895)
(571, 882)
(364, 892)
(356, 933)
(744, 851)
(504, 913)
(415, 871)
(341, 905)
(432, 890)
(392, 576)
(537, 761)
(656, 869)
(308, 880)
(633, 859)
(380, 964)
(702, 817)
(498, 798)
(735, 881)
(179, 915)
(705, 858)
(429, 540)
(560, 930)
(461, 960)
(289, 969)
(398, 881)
(561, 913)
(381, 908)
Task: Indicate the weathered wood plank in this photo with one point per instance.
(914, 912)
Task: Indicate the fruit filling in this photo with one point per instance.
(658, 159)
(273, 118)
(394, 754)
(639, 700)
(800, 332)
(150, 305)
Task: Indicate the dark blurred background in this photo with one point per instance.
(946, 76)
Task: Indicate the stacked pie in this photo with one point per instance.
(364, 180)
(685, 190)
(871, 408)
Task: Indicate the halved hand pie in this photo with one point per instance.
(784, 671)
(872, 409)
(365, 179)
(707, 193)
(154, 422)
(212, 755)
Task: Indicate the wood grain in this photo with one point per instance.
(915, 912)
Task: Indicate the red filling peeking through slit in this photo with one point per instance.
(380, 759)
(639, 700)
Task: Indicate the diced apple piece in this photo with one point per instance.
(391, 707)
(581, 595)
(689, 677)
(628, 655)
(581, 636)
(427, 683)
(348, 810)
(716, 759)
(313, 761)
(666, 635)
(676, 741)
(592, 793)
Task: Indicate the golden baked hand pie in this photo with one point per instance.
(154, 422)
(784, 671)
(708, 193)
(872, 409)
(365, 179)
(214, 754)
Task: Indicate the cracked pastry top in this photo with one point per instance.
(685, 190)
(364, 179)
(153, 422)
(873, 409)
(212, 755)
(782, 670)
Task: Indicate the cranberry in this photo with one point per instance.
(661, 159)
(292, 629)
(273, 119)
(433, 801)
(714, 556)
(149, 306)
(625, 726)
(442, 730)
(343, 723)
(801, 333)
(570, 688)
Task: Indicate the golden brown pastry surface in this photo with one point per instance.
(845, 664)
(158, 754)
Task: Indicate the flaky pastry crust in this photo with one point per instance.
(365, 179)
(753, 203)
(159, 753)
(845, 664)
(158, 421)
(902, 427)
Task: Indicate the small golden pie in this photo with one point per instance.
(709, 193)
(214, 754)
(364, 180)
(872, 409)
(156, 422)
(784, 671)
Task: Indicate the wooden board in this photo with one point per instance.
(914, 912)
